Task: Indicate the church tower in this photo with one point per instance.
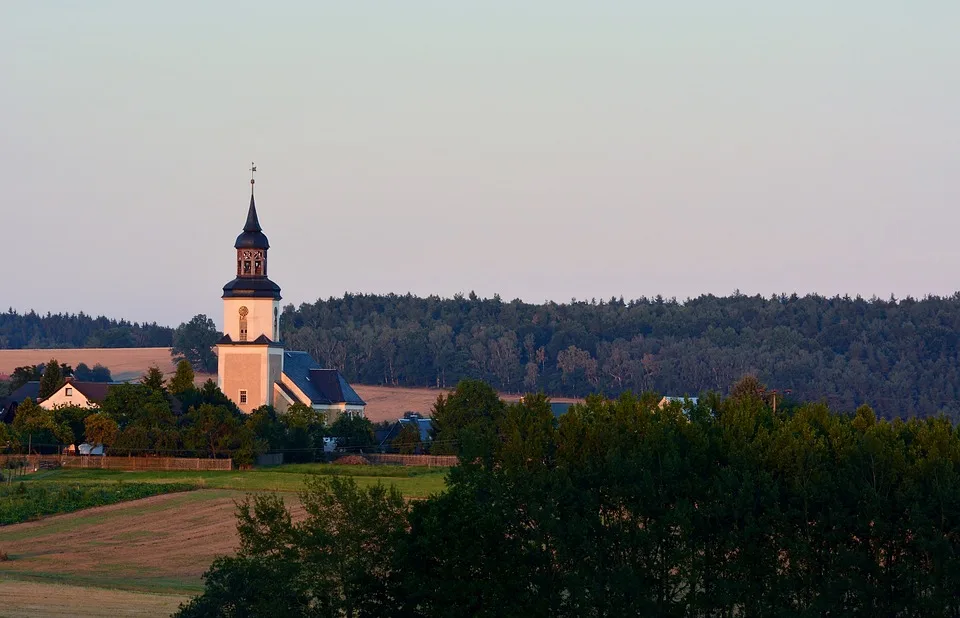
(250, 355)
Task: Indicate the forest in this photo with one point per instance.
(62, 330)
(899, 356)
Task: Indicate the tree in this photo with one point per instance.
(51, 380)
(98, 373)
(41, 426)
(303, 430)
(22, 375)
(193, 341)
(138, 405)
(407, 440)
(100, 429)
(73, 417)
(338, 561)
(209, 393)
(217, 431)
(352, 432)
(465, 421)
(182, 380)
(153, 379)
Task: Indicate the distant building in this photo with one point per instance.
(424, 425)
(686, 401)
(8, 405)
(253, 369)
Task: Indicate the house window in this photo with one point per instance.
(243, 397)
(68, 392)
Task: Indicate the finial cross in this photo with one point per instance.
(253, 170)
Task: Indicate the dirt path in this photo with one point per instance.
(20, 599)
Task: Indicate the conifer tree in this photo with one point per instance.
(182, 380)
(153, 379)
(51, 380)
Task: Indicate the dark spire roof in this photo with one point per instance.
(252, 236)
(253, 223)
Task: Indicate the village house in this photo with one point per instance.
(80, 394)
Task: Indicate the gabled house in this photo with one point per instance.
(81, 394)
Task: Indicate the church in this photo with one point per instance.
(253, 369)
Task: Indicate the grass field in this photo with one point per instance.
(413, 482)
(29, 501)
(146, 556)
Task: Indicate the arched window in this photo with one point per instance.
(243, 323)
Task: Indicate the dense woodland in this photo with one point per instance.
(61, 330)
(901, 357)
(621, 508)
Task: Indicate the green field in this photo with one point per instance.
(29, 501)
(413, 482)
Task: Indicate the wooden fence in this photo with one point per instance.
(35, 462)
(441, 461)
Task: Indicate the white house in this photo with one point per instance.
(81, 394)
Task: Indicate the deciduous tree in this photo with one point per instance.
(194, 340)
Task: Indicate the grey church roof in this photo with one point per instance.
(322, 386)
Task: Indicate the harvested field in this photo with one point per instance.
(22, 599)
(388, 403)
(124, 363)
(161, 544)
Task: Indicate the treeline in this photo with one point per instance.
(175, 418)
(62, 330)
(901, 357)
(623, 508)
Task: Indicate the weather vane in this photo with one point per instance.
(253, 170)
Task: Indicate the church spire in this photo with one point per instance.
(252, 236)
(253, 223)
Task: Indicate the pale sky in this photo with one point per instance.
(542, 149)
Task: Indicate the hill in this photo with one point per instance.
(900, 356)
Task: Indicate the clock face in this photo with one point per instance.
(244, 311)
